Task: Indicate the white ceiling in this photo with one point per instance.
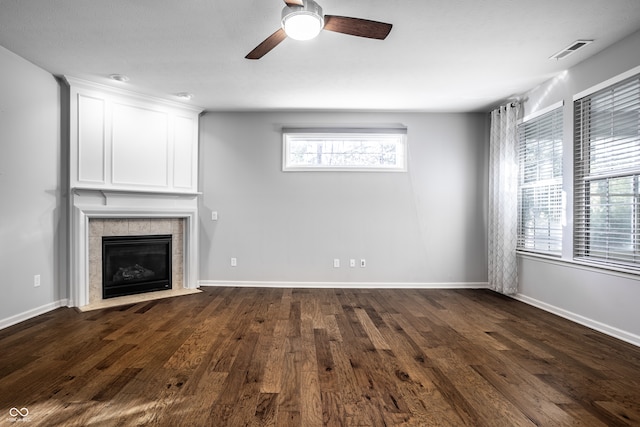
(441, 55)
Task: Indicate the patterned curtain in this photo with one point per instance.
(503, 199)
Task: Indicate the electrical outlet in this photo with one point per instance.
(234, 262)
(352, 263)
(36, 280)
(214, 215)
(336, 263)
(363, 263)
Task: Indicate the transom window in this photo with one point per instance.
(344, 150)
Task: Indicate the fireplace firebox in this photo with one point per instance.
(135, 264)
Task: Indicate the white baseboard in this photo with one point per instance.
(21, 317)
(345, 285)
(585, 321)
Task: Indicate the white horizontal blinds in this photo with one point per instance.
(607, 174)
(540, 183)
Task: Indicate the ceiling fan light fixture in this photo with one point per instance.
(303, 22)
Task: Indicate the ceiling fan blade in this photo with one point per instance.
(270, 42)
(294, 2)
(357, 27)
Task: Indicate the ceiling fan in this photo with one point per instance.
(303, 20)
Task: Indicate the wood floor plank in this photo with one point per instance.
(371, 330)
(310, 399)
(318, 357)
(324, 361)
(289, 397)
(332, 328)
(266, 410)
(344, 369)
(529, 400)
(332, 409)
(272, 377)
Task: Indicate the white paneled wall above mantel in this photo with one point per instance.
(120, 140)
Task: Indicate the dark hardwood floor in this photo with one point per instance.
(300, 357)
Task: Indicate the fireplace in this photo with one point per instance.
(102, 213)
(135, 264)
(115, 192)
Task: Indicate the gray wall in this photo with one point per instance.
(606, 301)
(32, 212)
(424, 226)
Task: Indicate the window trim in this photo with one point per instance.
(607, 83)
(541, 112)
(329, 133)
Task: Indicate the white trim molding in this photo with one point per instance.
(585, 321)
(344, 285)
(613, 80)
(21, 317)
(541, 112)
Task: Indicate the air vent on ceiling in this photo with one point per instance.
(578, 44)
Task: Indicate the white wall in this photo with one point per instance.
(603, 300)
(424, 227)
(32, 209)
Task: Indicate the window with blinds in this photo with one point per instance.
(607, 173)
(540, 183)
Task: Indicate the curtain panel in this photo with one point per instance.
(503, 199)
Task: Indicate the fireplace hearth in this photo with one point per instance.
(135, 264)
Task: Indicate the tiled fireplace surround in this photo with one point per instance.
(99, 227)
(98, 213)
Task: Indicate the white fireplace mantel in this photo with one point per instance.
(87, 204)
